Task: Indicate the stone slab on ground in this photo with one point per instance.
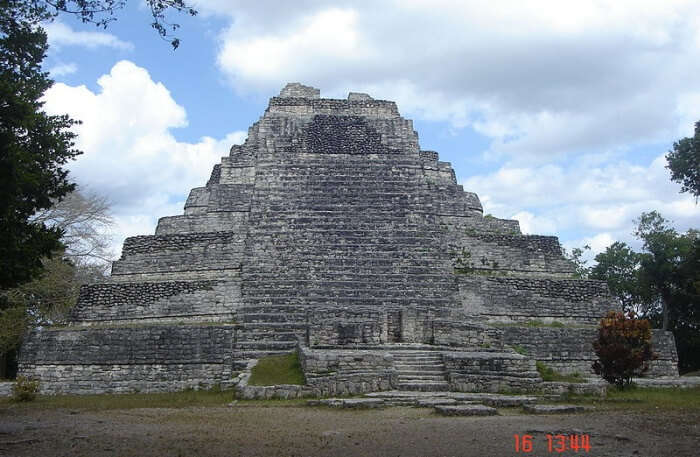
(682, 382)
(495, 400)
(6, 389)
(398, 397)
(433, 402)
(353, 403)
(406, 394)
(553, 409)
(466, 410)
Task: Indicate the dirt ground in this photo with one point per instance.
(247, 430)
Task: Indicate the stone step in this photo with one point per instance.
(339, 294)
(300, 281)
(271, 309)
(419, 370)
(409, 379)
(340, 302)
(418, 360)
(240, 355)
(553, 409)
(266, 335)
(264, 345)
(272, 326)
(353, 301)
(465, 410)
(271, 317)
(428, 366)
(424, 386)
(346, 281)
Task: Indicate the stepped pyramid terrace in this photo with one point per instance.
(331, 233)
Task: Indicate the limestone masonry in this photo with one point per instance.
(331, 233)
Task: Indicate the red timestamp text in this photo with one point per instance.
(555, 443)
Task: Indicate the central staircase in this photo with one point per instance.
(420, 371)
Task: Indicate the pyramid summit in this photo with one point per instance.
(331, 233)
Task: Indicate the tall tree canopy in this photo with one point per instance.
(684, 163)
(33, 149)
(662, 282)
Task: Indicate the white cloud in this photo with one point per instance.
(130, 154)
(62, 35)
(571, 199)
(542, 78)
(531, 224)
(63, 69)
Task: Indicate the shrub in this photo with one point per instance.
(623, 348)
(25, 389)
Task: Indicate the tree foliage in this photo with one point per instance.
(619, 266)
(684, 162)
(33, 149)
(84, 220)
(581, 271)
(102, 12)
(623, 347)
(661, 283)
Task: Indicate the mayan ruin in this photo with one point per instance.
(330, 233)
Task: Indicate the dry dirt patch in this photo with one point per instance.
(303, 431)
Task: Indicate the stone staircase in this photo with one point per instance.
(420, 371)
(265, 330)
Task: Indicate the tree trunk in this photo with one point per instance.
(665, 301)
(3, 366)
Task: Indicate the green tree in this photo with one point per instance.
(33, 148)
(662, 282)
(619, 266)
(684, 163)
(581, 271)
(84, 221)
(663, 262)
(102, 12)
(623, 347)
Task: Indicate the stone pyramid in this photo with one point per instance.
(329, 231)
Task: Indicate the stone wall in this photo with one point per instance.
(127, 359)
(570, 350)
(490, 372)
(514, 299)
(346, 372)
(494, 252)
(347, 326)
(466, 334)
(195, 251)
(200, 300)
(232, 221)
(310, 107)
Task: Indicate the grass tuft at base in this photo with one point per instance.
(278, 369)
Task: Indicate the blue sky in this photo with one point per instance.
(556, 113)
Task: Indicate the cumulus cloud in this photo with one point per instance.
(543, 79)
(62, 35)
(130, 154)
(570, 199)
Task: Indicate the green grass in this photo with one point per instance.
(520, 350)
(213, 397)
(643, 398)
(275, 370)
(550, 375)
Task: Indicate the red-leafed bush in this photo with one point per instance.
(623, 348)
